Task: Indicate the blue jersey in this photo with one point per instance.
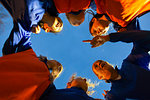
(73, 93)
(135, 71)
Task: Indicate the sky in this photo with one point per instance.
(67, 48)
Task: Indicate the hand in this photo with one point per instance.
(105, 92)
(97, 41)
(36, 29)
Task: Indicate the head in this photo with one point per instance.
(78, 82)
(76, 19)
(51, 23)
(53, 65)
(104, 71)
(98, 25)
(86, 84)
(56, 67)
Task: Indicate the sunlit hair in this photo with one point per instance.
(91, 85)
(60, 71)
(55, 73)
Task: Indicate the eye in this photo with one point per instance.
(57, 24)
(96, 66)
(94, 31)
(104, 31)
(102, 65)
(99, 30)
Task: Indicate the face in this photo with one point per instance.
(99, 27)
(78, 82)
(51, 23)
(76, 20)
(57, 25)
(102, 70)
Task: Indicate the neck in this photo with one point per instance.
(115, 76)
(118, 78)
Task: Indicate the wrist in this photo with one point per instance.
(107, 38)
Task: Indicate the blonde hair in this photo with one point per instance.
(60, 71)
(91, 85)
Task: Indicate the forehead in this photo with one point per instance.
(96, 66)
(97, 63)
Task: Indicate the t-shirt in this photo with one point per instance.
(23, 76)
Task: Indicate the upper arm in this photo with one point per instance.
(139, 38)
(113, 97)
(36, 11)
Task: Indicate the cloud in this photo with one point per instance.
(3, 15)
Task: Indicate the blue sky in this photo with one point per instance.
(76, 57)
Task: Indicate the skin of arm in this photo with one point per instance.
(98, 40)
(138, 36)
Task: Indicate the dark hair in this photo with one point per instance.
(91, 22)
(50, 7)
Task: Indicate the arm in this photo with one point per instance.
(35, 11)
(138, 37)
(130, 36)
(19, 40)
(141, 39)
(112, 97)
(98, 40)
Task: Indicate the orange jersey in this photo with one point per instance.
(22, 76)
(122, 11)
(65, 6)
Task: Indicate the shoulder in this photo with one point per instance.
(111, 96)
